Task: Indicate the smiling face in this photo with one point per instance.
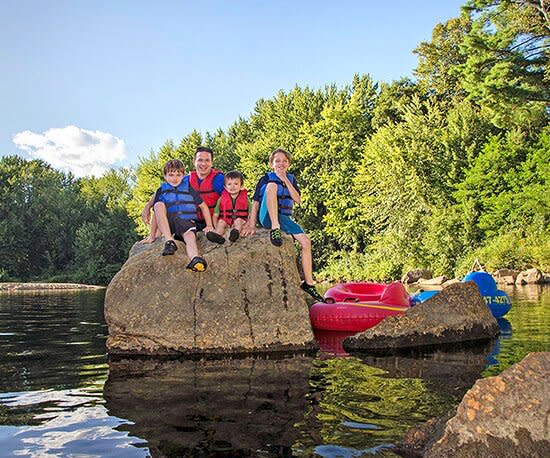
(233, 186)
(280, 163)
(203, 163)
(173, 177)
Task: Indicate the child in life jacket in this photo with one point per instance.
(175, 206)
(231, 209)
(274, 197)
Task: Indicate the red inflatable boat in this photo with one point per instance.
(358, 306)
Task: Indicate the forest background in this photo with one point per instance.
(430, 172)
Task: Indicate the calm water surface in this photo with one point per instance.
(61, 396)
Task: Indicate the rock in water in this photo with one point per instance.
(248, 300)
(457, 314)
(504, 416)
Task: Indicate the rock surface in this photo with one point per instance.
(457, 314)
(32, 287)
(437, 281)
(504, 416)
(505, 276)
(414, 275)
(248, 300)
(529, 277)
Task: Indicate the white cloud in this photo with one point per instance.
(83, 152)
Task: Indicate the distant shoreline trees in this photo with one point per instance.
(428, 173)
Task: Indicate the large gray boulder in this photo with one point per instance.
(457, 314)
(248, 300)
(504, 416)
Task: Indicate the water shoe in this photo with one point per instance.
(275, 237)
(234, 235)
(197, 264)
(310, 289)
(214, 237)
(170, 248)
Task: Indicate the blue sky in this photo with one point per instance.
(88, 85)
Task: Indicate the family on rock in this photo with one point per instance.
(209, 201)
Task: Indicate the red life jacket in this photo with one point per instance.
(229, 210)
(206, 190)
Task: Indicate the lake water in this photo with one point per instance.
(61, 396)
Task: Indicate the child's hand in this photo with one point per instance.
(281, 174)
(248, 229)
(208, 229)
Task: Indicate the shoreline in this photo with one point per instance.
(40, 286)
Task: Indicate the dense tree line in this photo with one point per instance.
(431, 172)
(54, 227)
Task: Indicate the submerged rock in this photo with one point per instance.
(248, 300)
(457, 314)
(505, 416)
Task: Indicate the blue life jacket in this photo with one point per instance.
(178, 200)
(283, 195)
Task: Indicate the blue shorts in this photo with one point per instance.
(288, 225)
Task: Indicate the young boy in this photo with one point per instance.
(175, 206)
(274, 197)
(231, 209)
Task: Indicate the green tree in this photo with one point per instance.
(103, 240)
(328, 161)
(507, 51)
(438, 58)
(39, 210)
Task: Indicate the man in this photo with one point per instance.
(207, 180)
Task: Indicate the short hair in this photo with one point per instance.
(235, 175)
(279, 150)
(173, 165)
(204, 149)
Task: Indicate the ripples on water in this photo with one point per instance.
(60, 396)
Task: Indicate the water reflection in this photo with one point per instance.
(53, 340)
(233, 407)
(53, 401)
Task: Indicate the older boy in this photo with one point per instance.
(175, 206)
(274, 198)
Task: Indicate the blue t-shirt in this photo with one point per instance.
(217, 183)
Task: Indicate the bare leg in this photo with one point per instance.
(272, 205)
(162, 221)
(238, 224)
(220, 227)
(305, 245)
(190, 240)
